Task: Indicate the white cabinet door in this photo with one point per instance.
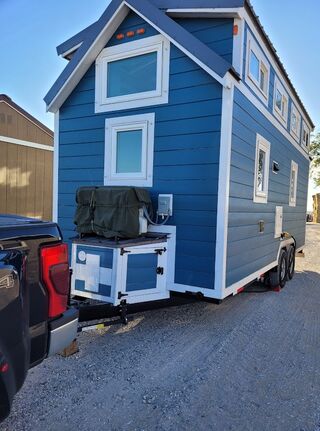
(278, 222)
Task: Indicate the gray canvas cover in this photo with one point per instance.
(110, 211)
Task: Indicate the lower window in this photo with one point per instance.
(261, 176)
(129, 151)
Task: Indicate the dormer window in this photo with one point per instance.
(280, 103)
(133, 74)
(305, 135)
(295, 124)
(258, 70)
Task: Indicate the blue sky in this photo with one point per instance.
(31, 29)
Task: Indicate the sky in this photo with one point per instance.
(31, 29)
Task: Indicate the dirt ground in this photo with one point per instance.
(251, 363)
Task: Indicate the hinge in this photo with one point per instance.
(121, 295)
(160, 250)
(123, 251)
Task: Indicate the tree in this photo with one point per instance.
(315, 155)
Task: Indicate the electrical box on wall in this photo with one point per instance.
(165, 205)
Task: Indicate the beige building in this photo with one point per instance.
(26, 161)
(316, 208)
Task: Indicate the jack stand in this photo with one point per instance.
(123, 312)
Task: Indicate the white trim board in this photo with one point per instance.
(55, 168)
(30, 144)
(70, 51)
(205, 12)
(223, 191)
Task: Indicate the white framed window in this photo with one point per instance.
(295, 122)
(261, 174)
(305, 135)
(258, 70)
(293, 184)
(129, 143)
(280, 102)
(133, 74)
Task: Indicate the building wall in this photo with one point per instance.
(25, 172)
(187, 140)
(244, 214)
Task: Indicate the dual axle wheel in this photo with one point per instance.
(285, 269)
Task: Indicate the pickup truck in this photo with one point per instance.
(35, 320)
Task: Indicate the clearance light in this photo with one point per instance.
(120, 36)
(141, 31)
(4, 367)
(235, 30)
(130, 33)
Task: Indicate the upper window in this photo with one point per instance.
(280, 103)
(129, 151)
(133, 74)
(258, 72)
(293, 184)
(261, 176)
(305, 135)
(295, 123)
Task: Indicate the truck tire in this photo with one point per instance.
(278, 276)
(291, 262)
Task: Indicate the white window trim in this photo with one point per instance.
(250, 80)
(145, 122)
(158, 44)
(306, 129)
(295, 111)
(278, 86)
(295, 168)
(263, 144)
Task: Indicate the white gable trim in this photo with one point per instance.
(205, 12)
(100, 42)
(30, 144)
(71, 50)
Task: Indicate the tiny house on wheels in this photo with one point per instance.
(189, 103)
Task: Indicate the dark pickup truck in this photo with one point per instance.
(35, 320)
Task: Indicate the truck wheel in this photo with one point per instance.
(278, 277)
(291, 262)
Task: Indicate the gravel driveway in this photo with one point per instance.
(251, 363)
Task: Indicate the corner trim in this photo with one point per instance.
(55, 168)
(223, 190)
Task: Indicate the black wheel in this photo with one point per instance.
(278, 277)
(291, 262)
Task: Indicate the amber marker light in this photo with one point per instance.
(120, 36)
(130, 33)
(141, 31)
(235, 30)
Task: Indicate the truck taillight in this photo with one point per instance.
(55, 276)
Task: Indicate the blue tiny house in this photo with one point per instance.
(191, 102)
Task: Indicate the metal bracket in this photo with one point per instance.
(123, 251)
(159, 251)
(160, 270)
(121, 295)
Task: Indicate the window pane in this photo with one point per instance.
(129, 151)
(294, 122)
(132, 75)
(262, 80)
(261, 171)
(292, 184)
(279, 100)
(254, 66)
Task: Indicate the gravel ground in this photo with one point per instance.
(251, 363)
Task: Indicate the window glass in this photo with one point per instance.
(254, 66)
(263, 79)
(132, 75)
(294, 124)
(261, 171)
(279, 100)
(292, 185)
(129, 151)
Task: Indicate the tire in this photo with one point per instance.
(291, 262)
(278, 277)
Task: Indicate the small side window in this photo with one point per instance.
(261, 176)
(295, 123)
(305, 136)
(293, 184)
(280, 103)
(258, 70)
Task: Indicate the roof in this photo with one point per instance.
(10, 102)
(177, 34)
(89, 32)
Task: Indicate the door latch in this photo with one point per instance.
(160, 270)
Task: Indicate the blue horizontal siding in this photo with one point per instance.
(186, 149)
(244, 215)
